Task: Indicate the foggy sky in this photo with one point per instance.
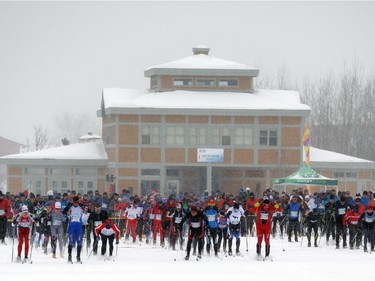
(56, 57)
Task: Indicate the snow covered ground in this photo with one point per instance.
(144, 262)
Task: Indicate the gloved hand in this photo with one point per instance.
(276, 206)
(246, 213)
(97, 238)
(117, 242)
(257, 204)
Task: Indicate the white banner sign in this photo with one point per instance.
(210, 155)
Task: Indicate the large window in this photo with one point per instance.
(221, 136)
(150, 135)
(268, 137)
(197, 136)
(243, 136)
(205, 82)
(183, 82)
(230, 82)
(175, 135)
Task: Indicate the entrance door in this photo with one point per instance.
(173, 187)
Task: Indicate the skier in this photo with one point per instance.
(177, 226)
(25, 222)
(95, 219)
(133, 213)
(341, 208)
(329, 218)
(158, 218)
(294, 210)
(5, 213)
(312, 221)
(368, 222)
(234, 215)
(75, 230)
(107, 231)
(223, 230)
(264, 213)
(197, 221)
(250, 218)
(211, 213)
(351, 221)
(57, 229)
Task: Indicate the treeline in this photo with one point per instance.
(342, 108)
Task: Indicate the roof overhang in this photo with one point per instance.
(201, 72)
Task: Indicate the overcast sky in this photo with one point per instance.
(55, 57)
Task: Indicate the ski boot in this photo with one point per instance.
(18, 259)
(70, 258)
(309, 244)
(187, 257)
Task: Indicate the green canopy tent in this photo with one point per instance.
(305, 175)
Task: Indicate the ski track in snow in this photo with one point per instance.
(143, 261)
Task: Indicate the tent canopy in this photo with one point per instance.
(305, 175)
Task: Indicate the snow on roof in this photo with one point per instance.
(320, 155)
(260, 100)
(79, 151)
(202, 61)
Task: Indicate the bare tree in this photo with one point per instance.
(72, 127)
(40, 140)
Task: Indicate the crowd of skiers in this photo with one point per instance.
(215, 222)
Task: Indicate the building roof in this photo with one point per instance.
(91, 153)
(261, 102)
(199, 64)
(321, 158)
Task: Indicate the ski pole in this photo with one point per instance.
(247, 242)
(13, 233)
(95, 244)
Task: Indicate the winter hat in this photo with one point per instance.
(211, 202)
(57, 205)
(1, 194)
(194, 209)
(50, 193)
(24, 209)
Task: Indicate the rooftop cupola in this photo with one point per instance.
(201, 49)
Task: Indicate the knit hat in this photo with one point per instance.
(57, 205)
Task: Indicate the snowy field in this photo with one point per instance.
(144, 262)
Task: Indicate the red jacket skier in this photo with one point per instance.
(107, 231)
(264, 213)
(25, 222)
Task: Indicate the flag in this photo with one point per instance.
(306, 145)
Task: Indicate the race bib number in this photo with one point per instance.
(341, 211)
(158, 217)
(195, 224)
(177, 219)
(75, 219)
(97, 223)
(49, 223)
(2, 212)
(211, 217)
(264, 216)
(104, 206)
(131, 216)
(56, 222)
(294, 214)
